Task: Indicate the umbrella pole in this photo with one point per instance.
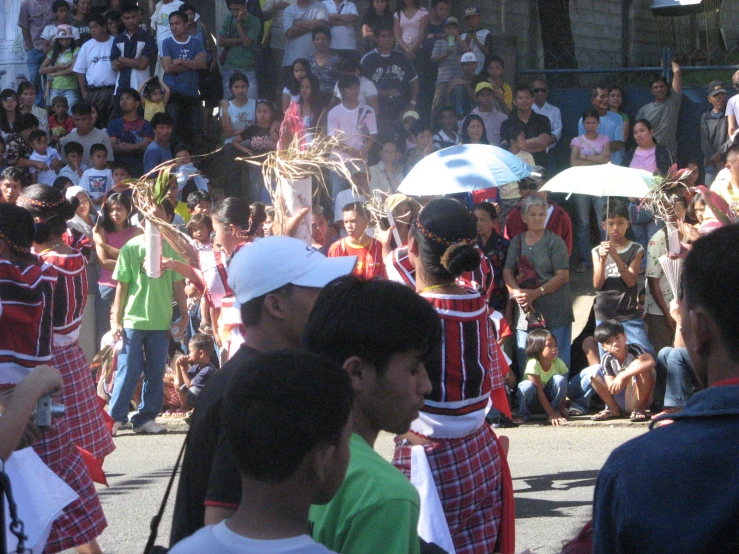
(608, 209)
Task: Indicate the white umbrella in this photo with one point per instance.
(463, 168)
(601, 180)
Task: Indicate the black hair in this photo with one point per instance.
(281, 407)
(536, 341)
(61, 183)
(59, 4)
(195, 198)
(239, 2)
(73, 147)
(322, 29)
(486, 207)
(150, 86)
(132, 92)
(233, 211)
(35, 135)
(690, 214)
(198, 219)
(381, 26)
(258, 216)
(356, 207)
(122, 199)
(709, 281)
(319, 211)
(203, 342)
(464, 135)
(512, 132)
(395, 320)
(161, 118)
(168, 208)
(293, 85)
(445, 238)
(182, 146)
(115, 17)
(590, 112)
(120, 165)
(644, 122)
(18, 227)
(346, 81)
(494, 58)
(97, 147)
(49, 205)
(594, 90)
(658, 79)
(386, 12)
(607, 329)
(401, 5)
(350, 63)
(127, 7)
(59, 99)
(25, 85)
(177, 13)
(419, 126)
(14, 173)
(616, 207)
(82, 108)
(238, 76)
(733, 150)
(316, 99)
(521, 88)
(98, 19)
(4, 124)
(24, 122)
(623, 96)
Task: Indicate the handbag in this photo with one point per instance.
(527, 278)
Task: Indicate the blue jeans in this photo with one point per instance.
(72, 96)
(583, 202)
(34, 59)
(253, 91)
(460, 101)
(106, 296)
(581, 389)
(131, 363)
(675, 377)
(185, 111)
(636, 333)
(564, 344)
(555, 391)
(643, 232)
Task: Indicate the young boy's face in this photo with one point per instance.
(183, 157)
(495, 69)
(468, 68)
(62, 13)
(485, 98)
(11, 190)
(99, 159)
(128, 103)
(40, 145)
(355, 224)
(163, 132)
(351, 94)
(474, 21)
(616, 227)
(120, 174)
(616, 346)
(195, 355)
(60, 110)
(74, 159)
(200, 233)
(424, 139)
(202, 207)
(448, 120)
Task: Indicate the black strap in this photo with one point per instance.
(156, 520)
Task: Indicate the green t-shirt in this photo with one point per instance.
(149, 301)
(241, 57)
(533, 367)
(375, 510)
(65, 82)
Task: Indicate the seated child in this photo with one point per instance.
(75, 168)
(424, 139)
(625, 378)
(277, 396)
(367, 249)
(60, 122)
(12, 181)
(98, 179)
(154, 97)
(545, 386)
(43, 153)
(188, 178)
(194, 370)
(62, 183)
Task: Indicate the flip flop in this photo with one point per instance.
(574, 412)
(639, 417)
(604, 415)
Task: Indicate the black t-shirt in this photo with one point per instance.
(536, 125)
(371, 19)
(209, 472)
(394, 71)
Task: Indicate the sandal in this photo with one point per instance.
(604, 415)
(639, 417)
(574, 412)
(582, 268)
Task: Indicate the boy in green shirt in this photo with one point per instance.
(142, 316)
(376, 508)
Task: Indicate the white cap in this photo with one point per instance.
(273, 262)
(468, 57)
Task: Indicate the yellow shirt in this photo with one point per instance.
(151, 108)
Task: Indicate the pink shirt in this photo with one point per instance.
(410, 29)
(645, 159)
(590, 147)
(116, 240)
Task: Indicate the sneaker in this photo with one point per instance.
(149, 428)
(119, 426)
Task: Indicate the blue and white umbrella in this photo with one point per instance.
(464, 168)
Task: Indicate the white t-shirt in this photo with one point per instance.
(219, 538)
(302, 46)
(352, 127)
(343, 37)
(44, 177)
(277, 30)
(97, 182)
(367, 89)
(94, 61)
(242, 117)
(482, 36)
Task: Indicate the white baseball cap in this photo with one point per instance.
(273, 262)
(468, 57)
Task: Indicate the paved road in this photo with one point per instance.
(554, 471)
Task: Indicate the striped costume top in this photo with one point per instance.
(399, 269)
(70, 295)
(79, 241)
(26, 301)
(466, 372)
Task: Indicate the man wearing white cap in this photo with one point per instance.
(276, 281)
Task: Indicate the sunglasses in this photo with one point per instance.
(9, 98)
(539, 90)
(527, 186)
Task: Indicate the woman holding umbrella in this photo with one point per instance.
(537, 276)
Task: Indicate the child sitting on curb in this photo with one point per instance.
(546, 386)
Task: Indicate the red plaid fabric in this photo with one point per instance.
(82, 520)
(468, 476)
(84, 418)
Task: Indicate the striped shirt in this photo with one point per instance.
(26, 301)
(70, 295)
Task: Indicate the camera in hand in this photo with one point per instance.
(46, 409)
